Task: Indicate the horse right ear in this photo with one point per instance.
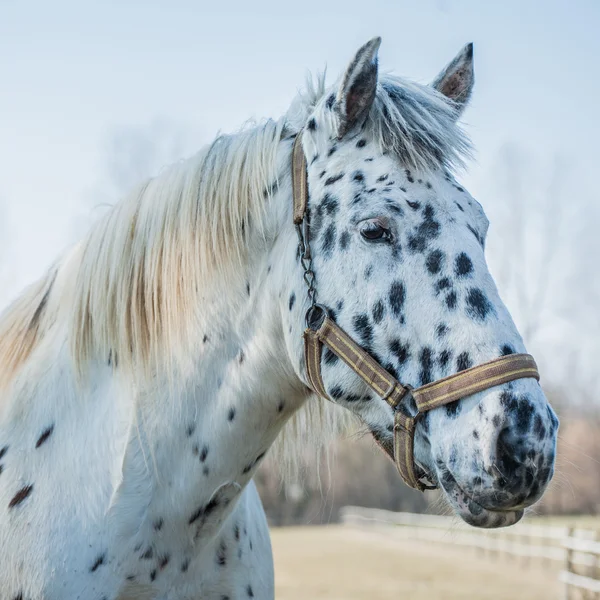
(357, 90)
(457, 79)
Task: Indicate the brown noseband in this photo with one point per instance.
(322, 330)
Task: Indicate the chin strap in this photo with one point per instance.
(323, 331)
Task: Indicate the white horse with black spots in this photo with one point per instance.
(145, 376)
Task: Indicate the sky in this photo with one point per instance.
(74, 74)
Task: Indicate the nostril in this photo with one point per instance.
(506, 453)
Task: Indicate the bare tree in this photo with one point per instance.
(132, 154)
(541, 247)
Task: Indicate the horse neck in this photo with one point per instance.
(243, 387)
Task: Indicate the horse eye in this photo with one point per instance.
(374, 231)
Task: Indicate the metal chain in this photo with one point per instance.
(306, 261)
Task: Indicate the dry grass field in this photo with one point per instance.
(340, 563)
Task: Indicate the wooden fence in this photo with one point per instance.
(576, 550)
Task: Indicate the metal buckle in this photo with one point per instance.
(315, 316)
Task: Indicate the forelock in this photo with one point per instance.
(411, 121)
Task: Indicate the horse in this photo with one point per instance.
(144, 377)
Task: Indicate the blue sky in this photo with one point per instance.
(74, 73)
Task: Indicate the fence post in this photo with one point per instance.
(568, 564)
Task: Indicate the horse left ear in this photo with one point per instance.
(357, 91)
(457, 79)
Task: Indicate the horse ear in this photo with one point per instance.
(357, 90)
(457, 79)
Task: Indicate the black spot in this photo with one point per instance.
(190, 430)
(205, 471)
(363, 328)
(506, 350)
(435, 261)
(400, 350)
(329, 357)
(463, 361)
(441, 330)
(231, 414)
(205, 339)
(443, 284)
(330, 204)
(409, 176)
(538, 428)
(163, 561)
(358, 176)
(496, 420)
(478, 306)
(361, 143)
(333, 179)
(45, 435)
(328, 241)
(330, 101)
(331, 151)
(451, 300)
(221, 556)
(524, 415)
(98, 562)
(344, 240)
(292, 300)
(158, 524)
(378, 311)
(368, 272)
(153, 575)
(475, 434)
(241, 357)
(20, 496)
(397, 296)
(463, 265)
(19, 596)
(413, 204)
(185, 565)
(204, 453)
(322, 174)
(452, 409)
(426, 360)
(444, 358)
(382, 178)
(3, 451)
(248, 288)
(130, 577)
(427, 230)
(280, 406)
(148, 555)
(478, 237)
(236, 532)
(336, 392)
(459, 207)
(311, 125)
(249, 591)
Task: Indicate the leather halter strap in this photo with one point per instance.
(324, 331)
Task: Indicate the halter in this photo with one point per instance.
(322, 330)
